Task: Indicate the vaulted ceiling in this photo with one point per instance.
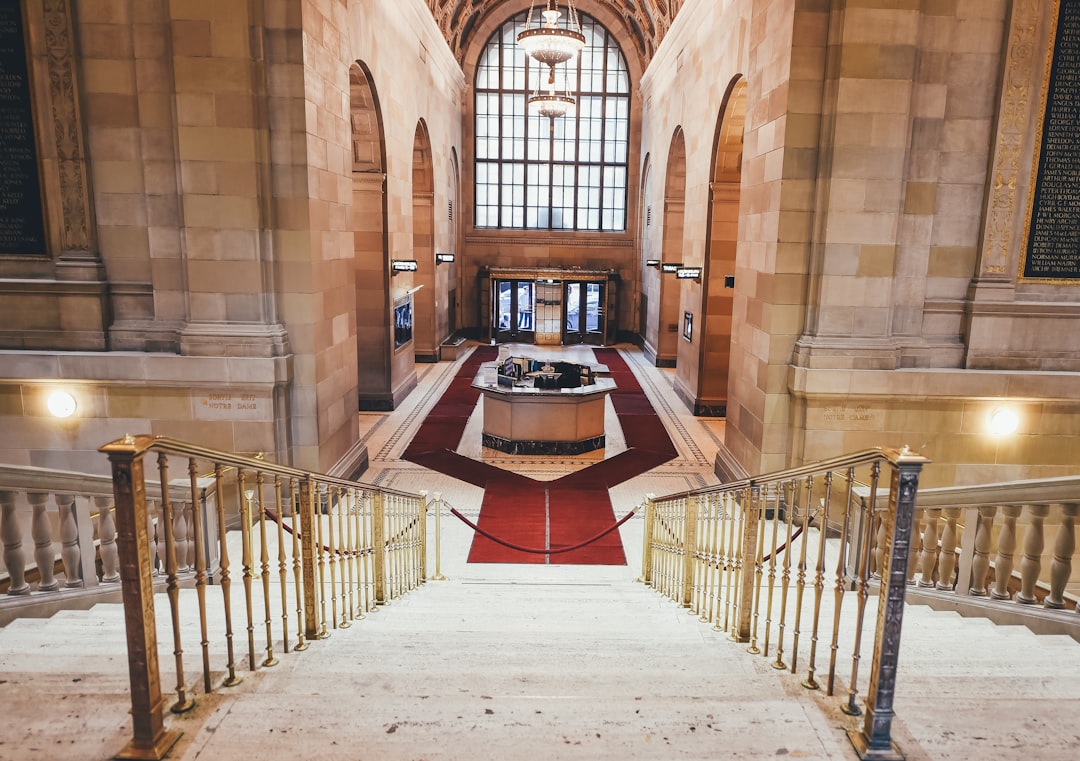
(645, 22)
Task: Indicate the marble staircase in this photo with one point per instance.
(515, 662)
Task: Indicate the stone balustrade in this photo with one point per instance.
(58, 531)
(1014, 543)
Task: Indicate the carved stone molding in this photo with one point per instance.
(75, 221)
(1005, 179)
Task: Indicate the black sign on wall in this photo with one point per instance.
(22, 226)
(1053, 246)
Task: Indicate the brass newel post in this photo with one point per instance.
(647, 534)
(151, 740)
(378, 546)
(424, 507)
(874, 741)
(689, 552)
(748, 565)
(308, 553)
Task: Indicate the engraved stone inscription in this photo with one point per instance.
(1053, 249)
(22, 228)
(226, 405)
(843, 412)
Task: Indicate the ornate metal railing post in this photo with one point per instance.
(690, 552)
(378, 546)
(748, 565)
(308, 554)
(151, 740)
(874, 741)
(646, 542)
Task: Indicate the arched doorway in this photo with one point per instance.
(649, 278)
(371, 270)
(448, 319)
(669, 327)
(425, 343)
(718, 294)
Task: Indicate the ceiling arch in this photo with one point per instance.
(645, 22)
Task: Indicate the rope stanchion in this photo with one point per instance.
(536, 551)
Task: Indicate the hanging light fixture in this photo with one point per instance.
(550, 45)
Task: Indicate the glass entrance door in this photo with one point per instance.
(515, 308)
(584, 313)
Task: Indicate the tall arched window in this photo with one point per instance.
(569, 174)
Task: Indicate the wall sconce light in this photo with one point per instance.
(670, 268)
(688, 273)
(403, 265)
(62, 404)
(444, 258)
(652, 262)
(1004, 422)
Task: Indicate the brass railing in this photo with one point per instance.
(315, 553)
(754, 559)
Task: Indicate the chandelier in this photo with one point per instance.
(550, 45)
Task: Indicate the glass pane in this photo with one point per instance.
(525, 305)
(573, 306)
(502, 315)
(592, 307)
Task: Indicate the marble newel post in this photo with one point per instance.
(874, 741)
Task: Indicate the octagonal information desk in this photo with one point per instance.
(522, 418)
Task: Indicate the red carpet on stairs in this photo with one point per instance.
(537, 515)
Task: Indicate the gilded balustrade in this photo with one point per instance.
(756, 559)
(312, 554)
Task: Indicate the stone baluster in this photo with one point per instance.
(1061, 564)
(69, 539)
(947, 555)
(157, 533)
(11, 535)
(929, 556)
(878, 554)
(980, 562)
(1031, 563)
(110, 560)
(41, 531)
(1003, 563)
(180, 537)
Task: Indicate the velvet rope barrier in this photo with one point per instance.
(533, 550)
(783, 546)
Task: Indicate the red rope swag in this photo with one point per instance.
(535, 551)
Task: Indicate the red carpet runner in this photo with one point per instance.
(545, 515)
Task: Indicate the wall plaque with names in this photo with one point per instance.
(22, 225)
(1053, 241)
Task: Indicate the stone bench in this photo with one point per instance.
(448, 349)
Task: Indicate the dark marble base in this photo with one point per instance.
(710, 410)
(543, 447)
(376, 404)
